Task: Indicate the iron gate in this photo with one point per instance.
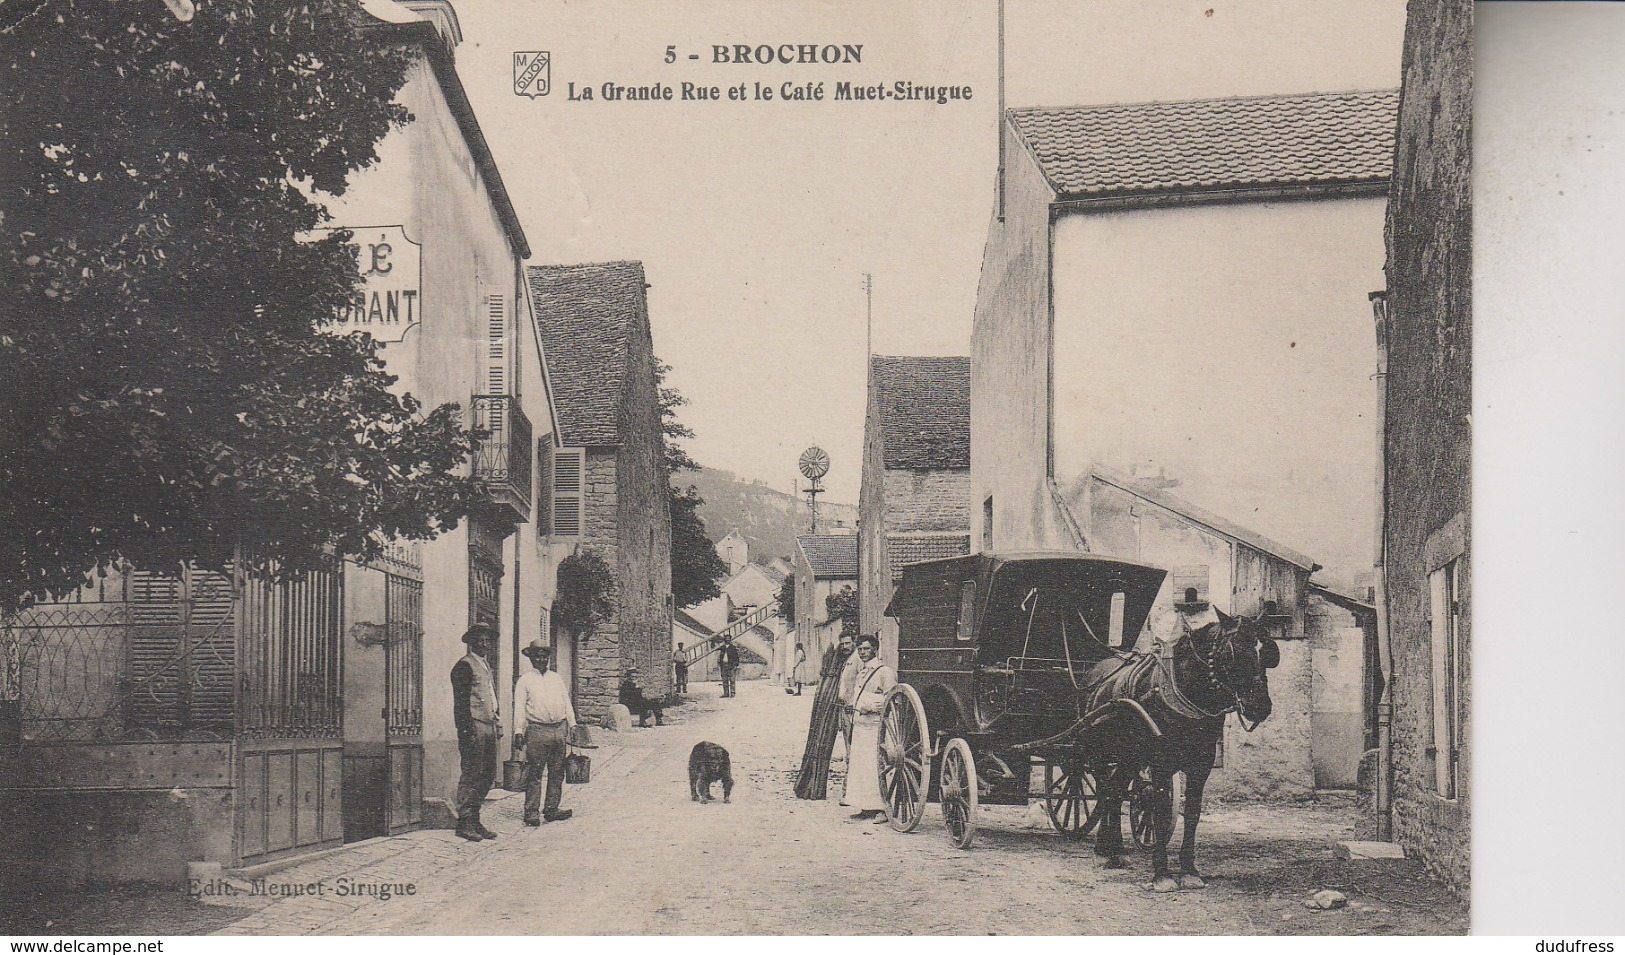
(403, 688)
(289, 715)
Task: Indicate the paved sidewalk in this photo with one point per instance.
(354, 879)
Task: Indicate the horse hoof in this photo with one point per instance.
(1191, 880)
(1116, 862)
(1164, 883)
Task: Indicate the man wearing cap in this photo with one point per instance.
(541, 705)
(477, 715)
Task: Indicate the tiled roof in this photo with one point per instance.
(1208, 519)
(1213, 144)
(586, 315)
(831, 555)
(911, 549)
(770, 572)
(924, 411)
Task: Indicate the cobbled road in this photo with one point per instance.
(641, 858)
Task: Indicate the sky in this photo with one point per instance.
(756, 220)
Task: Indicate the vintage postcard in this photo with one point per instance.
(497, 467)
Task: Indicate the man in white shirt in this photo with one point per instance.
(543, 718)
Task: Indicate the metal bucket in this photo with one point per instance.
(513, 775)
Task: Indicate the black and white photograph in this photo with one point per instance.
(738, 468)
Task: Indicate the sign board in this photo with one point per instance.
(390, 300)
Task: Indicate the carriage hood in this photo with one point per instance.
(1088, 582)
(929, 593)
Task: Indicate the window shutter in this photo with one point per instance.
(568, 467)
(496, 317)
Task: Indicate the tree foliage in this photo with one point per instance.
(168, 388)
(696, 567)
(843, 605)
(787, 600)
(586, 592)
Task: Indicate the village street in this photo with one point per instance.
(640, 858)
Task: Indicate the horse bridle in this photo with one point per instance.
(1210, 662)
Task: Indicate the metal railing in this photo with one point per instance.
(503, 451)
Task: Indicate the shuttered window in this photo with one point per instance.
(496, 317)
(569, 467)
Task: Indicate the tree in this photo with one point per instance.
(695, 565)
(787, 600)
(169, 390)
(586, 593)
(843, 605)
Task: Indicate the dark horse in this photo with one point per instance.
(1214, 670)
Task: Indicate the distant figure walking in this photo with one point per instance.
(679, 663)
(475, 713)
(813, 780)
(862, 763)
(728, 664)
(541, 707)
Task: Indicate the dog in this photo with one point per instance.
(708, 763)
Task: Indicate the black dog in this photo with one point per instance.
(708, 763)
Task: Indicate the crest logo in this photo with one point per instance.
(532, 74)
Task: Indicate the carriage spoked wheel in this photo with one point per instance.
(1142, 809)
(958, 793)
(905, 757)
(1069, 798)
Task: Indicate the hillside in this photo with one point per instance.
(768, 519)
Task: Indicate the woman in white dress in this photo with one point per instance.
(872, 680)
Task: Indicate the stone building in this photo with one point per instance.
(824, 564)
(1425, 324)
(1185, 284)
(1238, 571)
(608, 493)
(172, 719)
(914, 502)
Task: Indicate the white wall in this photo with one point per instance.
(1232, 345)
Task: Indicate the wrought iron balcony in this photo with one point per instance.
(503, 452)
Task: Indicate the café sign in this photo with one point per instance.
(390, 299)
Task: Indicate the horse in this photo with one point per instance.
(1213, 670)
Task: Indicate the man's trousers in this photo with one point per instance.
(546, 746)
(478, 749)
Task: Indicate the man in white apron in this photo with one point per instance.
(870, 683)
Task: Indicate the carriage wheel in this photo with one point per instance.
(905, 757)
(1069, 798)
(958, 791)
(1142, 805)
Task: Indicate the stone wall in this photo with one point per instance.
(598, 654)
(644, 516)
(1427, 456)
(927, 501)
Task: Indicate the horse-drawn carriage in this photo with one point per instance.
(1017, 681)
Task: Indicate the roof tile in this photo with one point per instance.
(1213, 144)
(831, 555)
(911, 549)
(586, 315)
(924, 411)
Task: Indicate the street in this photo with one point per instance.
(640, 857)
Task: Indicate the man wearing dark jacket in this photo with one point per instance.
(728, 665)
(477, 715)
